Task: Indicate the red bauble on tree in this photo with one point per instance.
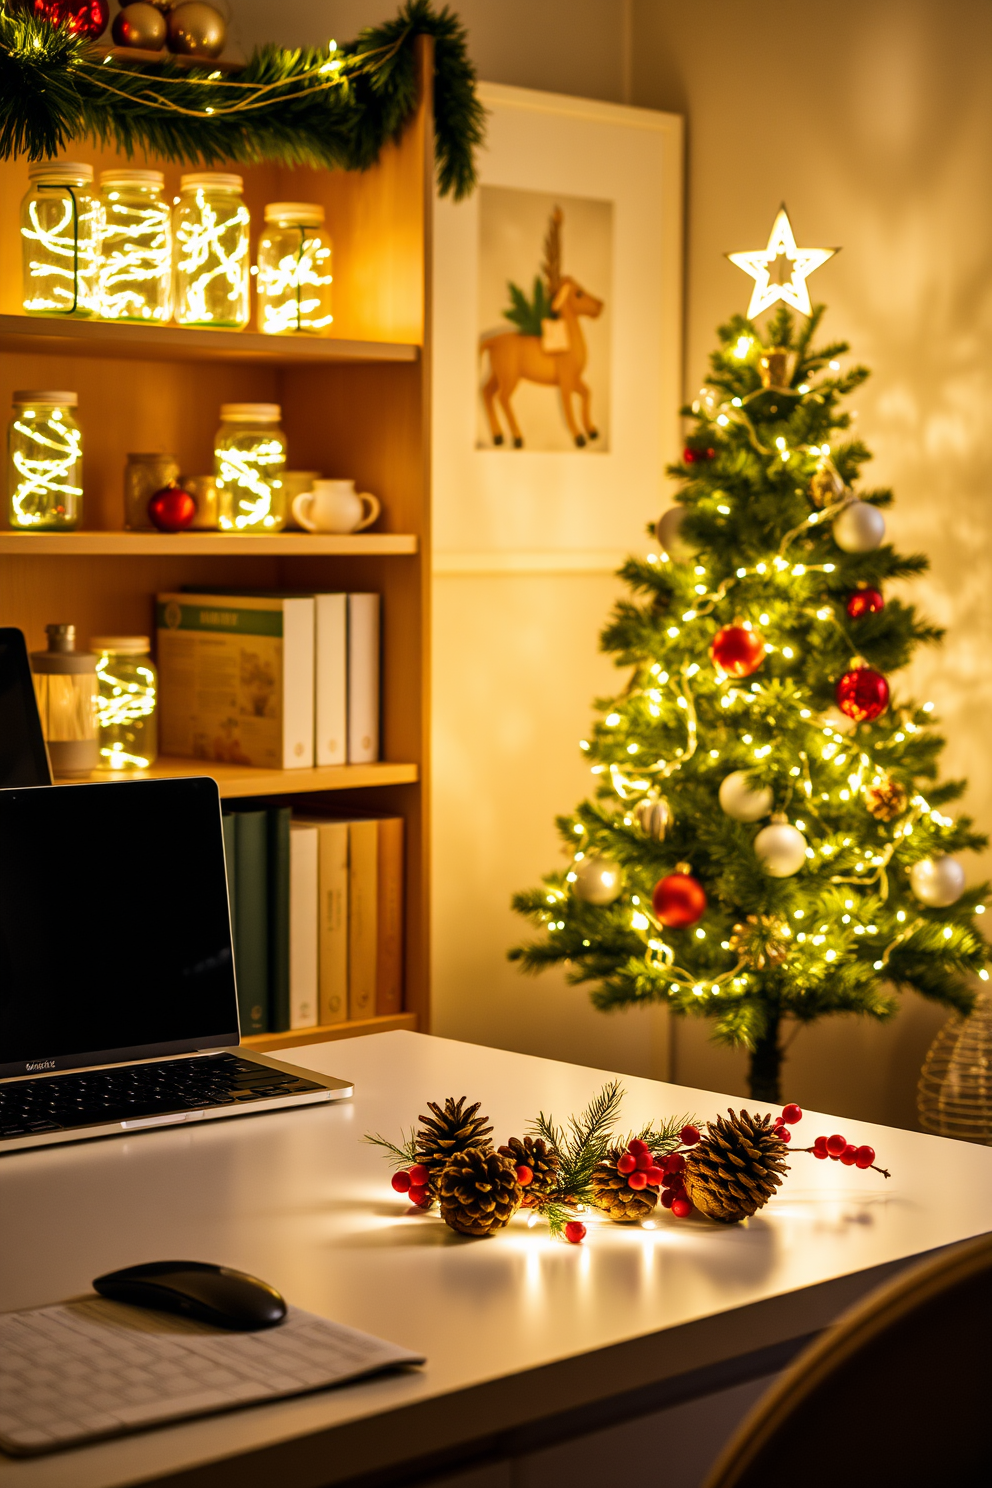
(737, 650)
(679, 899)
(692, 456)
(865, 602)
(85, 17)
(172, 509)
(863, 694)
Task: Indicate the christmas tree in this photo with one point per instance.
(768, 843)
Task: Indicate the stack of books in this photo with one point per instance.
(316, 917)
(277, 680)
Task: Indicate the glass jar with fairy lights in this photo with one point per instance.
(44, 463)
(249, 460)
(210, 226)
(136, 252)
(294, 270)
(61, 232)
(126, 703)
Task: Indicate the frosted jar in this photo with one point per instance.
(294, 270)
(210, 224)
(143, 476)
(44, 463)
(136, 247)
(61, 231)
(126, 703)
(249, 459)
(65, 687)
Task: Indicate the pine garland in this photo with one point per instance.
(334, 108)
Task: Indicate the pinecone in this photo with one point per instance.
(612, 1193)
(736, 1167)
(479, 1191)
(448, 1132)
(533, 1153)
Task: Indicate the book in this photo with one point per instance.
(363, 678)
(304, 915)
(236, 678)
(363, 905)
(389, 949)
(251, 943)
(278, 871)
(331, 691)
(332, 917)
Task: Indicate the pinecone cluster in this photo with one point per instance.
(535, 1154)
(478, 1191)
(736, 1167)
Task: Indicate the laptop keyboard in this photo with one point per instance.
(129, 1092)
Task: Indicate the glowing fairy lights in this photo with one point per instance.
(45, 462)
(127, 698)
(294, 261)
(61, 229)
(249, 459)
(211, 229)
(136, 257)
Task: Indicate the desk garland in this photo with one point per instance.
(332, 107)
(726, 1173)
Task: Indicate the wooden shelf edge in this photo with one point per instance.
(269, 1043)
(236, 781)
(212, 544)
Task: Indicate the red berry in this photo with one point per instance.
(638, 1148)
(525, 1175)
(644, 1161)
(821, 1145)
(673, 1181)
(682, 1208)
(865, 1157)
(689, 1135)
(419, 1176)
(575, 1232)
(627, 1163)
(419, 1196)
(674, 1163)
(836, 1145)
(849, 1156)
(821, 1152)
(791, 1113)
(668, 1198)
(654, 1176)
(784, 1133)
(401, 1182)
(638, 1180)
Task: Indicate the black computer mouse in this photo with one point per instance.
(210, 1294)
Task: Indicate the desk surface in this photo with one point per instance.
(512, 1326)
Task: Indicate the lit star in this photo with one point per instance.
(780, 270)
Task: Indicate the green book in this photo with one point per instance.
(251, 920)
(230, 858)
(278, 883)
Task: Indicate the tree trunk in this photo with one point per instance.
(765, 1070)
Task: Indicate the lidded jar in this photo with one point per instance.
(210, 225)
(44, 462)
(61, 231)
(65, 687)
(294, 270)
(249, 459)
(136, 254)
(127, 702)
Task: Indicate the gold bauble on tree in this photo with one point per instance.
(736, 1167)
(140, 25)
(774, 368)
(886, 799)
(196, 30)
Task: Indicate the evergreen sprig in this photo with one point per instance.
(526, 314)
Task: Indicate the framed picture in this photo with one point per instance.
(557, 336)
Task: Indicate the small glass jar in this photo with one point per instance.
(249, 459)
(203, 489)
(136, 251)
(65, 686)
(212, 252)
(143, 476)
(44, 463)
(294, 270)
(127, 702)
(61, 230)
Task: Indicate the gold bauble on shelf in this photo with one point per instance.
(196, 30)
(140, 25)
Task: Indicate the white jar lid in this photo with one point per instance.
(215, 180)
(59, 400)
(125, 645)
(240, 413)
(310, 214)
(71, 172)
(155, 179)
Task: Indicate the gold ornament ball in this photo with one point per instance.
(597, 881)
(140, 25)
(196, 30)
(654, 816)
(886, 800)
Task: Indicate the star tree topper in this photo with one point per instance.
(780, 271)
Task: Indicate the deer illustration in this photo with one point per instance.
(548, 349)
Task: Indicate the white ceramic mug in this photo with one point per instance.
(335, 506)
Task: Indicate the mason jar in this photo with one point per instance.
(210, 224)
(65, 687)
(61, 230)
(136, 249)
(44, 463)
(126, 702)
(249, 459)
(294, 270)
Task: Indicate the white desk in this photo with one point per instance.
(517, 1329)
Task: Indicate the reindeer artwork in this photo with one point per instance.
(547, 347)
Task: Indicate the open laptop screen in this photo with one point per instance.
(115, 937)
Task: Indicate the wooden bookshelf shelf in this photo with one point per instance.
(210, 544)
(236, 781)
(272, 1043)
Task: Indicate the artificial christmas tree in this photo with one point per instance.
(755, 763)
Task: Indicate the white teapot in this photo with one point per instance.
(335, 506)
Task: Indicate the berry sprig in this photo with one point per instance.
(415, 1183)
(644, 1169)
(836, 1147)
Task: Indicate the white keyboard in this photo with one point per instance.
(93, 1368)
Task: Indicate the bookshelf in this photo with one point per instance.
(355, 404)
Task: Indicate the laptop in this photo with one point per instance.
(118, 1003)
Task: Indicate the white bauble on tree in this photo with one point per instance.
(937, 882)
(668, 531)
(740, 801)
(654, 816)
(597, 881)
(781, 848)
(859, 528)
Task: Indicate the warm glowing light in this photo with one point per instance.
(780, 270)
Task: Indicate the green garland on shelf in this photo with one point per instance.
(334, 107)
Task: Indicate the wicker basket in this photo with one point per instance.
(954, 1096)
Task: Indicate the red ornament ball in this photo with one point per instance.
(679, 900)
(693, 456)
(172, 509)
(83, 17)
(401, 1182)
(863, 694)
(792, 1113)
(737, 650)
(575, 1232)
(865, 602)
